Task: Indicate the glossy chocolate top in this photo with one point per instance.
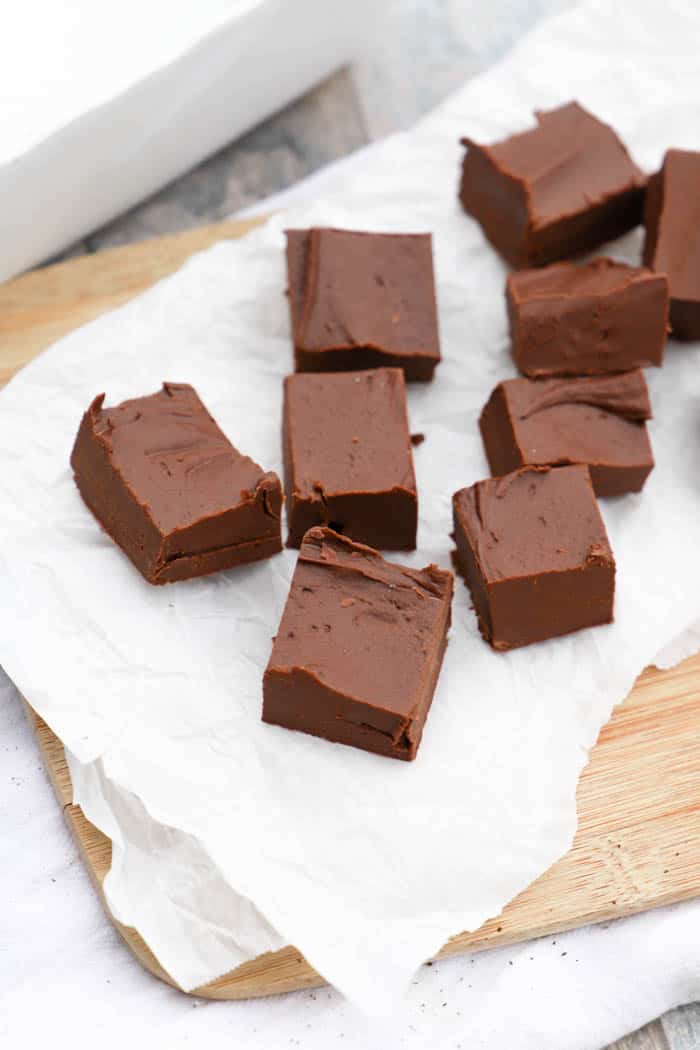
(624, 395)
(599, 277)
(348, 432)
(535, 520)
(567, 163)
(174, 459)
(352, 289)
(361, 625)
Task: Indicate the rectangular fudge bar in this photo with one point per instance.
(533, 550)
(599, 421)
(362, 300)
(562, 188)
(348, 461)
(359, 647)
(169, 487)
(672, 244)
(588, 319)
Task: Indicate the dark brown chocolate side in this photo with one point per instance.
(598, 421)
(672, 245)
(362, 300)
(590, 319)
(171, 490)
(533, 550)
(562, 188)
(348, 461)
(359, 647)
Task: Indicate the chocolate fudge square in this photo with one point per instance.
(564, 187)
(598, 420)
(533, 550)
(348, 461)
(359, 648)
(672, 244)
(589, 319)
(362, 300)
(169, 487)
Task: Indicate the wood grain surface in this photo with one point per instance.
(638, 798)
(39, 307)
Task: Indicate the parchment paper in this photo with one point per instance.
(231, 837)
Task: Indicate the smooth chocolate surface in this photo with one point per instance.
(672, 245)
(564, 187)
(169, 487)
(347, 457)
(599, 421)
(588, 319)
(362, 300)
(533, 550)
(359, 647)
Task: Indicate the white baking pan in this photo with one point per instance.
(102, 103)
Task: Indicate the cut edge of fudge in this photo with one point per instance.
(625, 395)
(180, 553)
(295, 696)
(508, 238)
(342, 509)
(531, 590)
(684, 312)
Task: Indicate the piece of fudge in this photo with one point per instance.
(533, 550)
(348, 461)
(563, 187)
(672, 244)
(598, 420)
(362, 300)
(588, 319)
(359, 647)
(169, 487)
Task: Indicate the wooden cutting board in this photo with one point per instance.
(638, 798)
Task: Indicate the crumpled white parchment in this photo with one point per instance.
(232, 837)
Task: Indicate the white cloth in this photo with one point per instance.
(68, 981)
(491, 1023)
